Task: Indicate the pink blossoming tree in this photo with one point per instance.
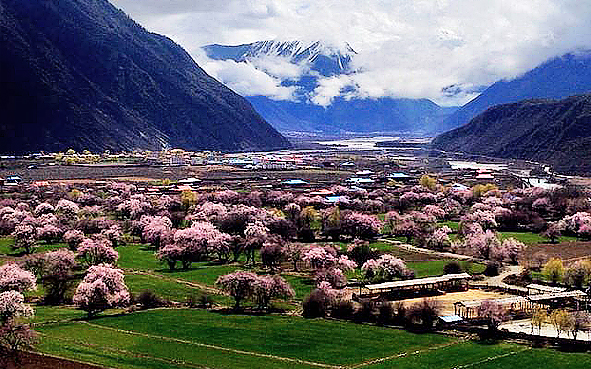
(102, 288)
(14, 278)
(97, 251)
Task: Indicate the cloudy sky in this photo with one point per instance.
(406, 48)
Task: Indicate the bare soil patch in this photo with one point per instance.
(31, 360)
(446, 302)
(565, 250)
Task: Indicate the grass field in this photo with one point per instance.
(6, 244)
(168, 289)
(451, 224)
(139, 257)
(186, 338)
(181, 334)
(530, 238)
(435, 267)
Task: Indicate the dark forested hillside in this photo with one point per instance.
(81, 74)
(555, 132)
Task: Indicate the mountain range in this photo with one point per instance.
(342, 115)
(557, 132)
(81, 74)
(556, 78)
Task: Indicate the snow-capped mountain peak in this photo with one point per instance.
(324, 58)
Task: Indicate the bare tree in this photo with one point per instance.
(539, 317)
(580, 320)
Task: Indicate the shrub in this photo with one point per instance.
(452, 267)
(15, 339)
(360, 252)
(422, 314)
(316, 305)
(400, 310)
(272, 255)
(25, 236)
(334, 276)
(57, 273)
(359, 225)
(94, 252)
(493, 312)
(386, 313)
(103, 287)
(74, 238)
(366, 312)
(492, 269)
(14, 278)
(343, 309)
(553, 270)
(577, 274)
(266, 288)
(171, 254)
(149, 300)
(205, 301)
(12, 305)
(239, 285)
(384, 269)
(50, 233)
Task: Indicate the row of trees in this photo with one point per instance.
(14, 335)
(576, 275)
(242, 285)
(562, 321)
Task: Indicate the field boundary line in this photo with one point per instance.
(215, 347)
(405, 354)
(120, 351)
(177, 280)
(492, 358)
(444, 255)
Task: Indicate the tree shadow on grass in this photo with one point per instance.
(248, 311)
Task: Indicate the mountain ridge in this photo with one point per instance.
(327, 60)
(557, 132)
(344, 114)
(556, 78)
(97, 80)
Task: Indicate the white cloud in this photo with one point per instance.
(245, 79)
(407, 48)
(280, 67)
(329, 88)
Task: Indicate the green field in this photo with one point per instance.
(138, 257)
(532, 238)
(435, 267)
(168, 289)
(184, 338)
(302, 286)
(451, 224)
(6, 244)
(181, 334)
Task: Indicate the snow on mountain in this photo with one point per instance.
(325, 59)
(307, 69)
